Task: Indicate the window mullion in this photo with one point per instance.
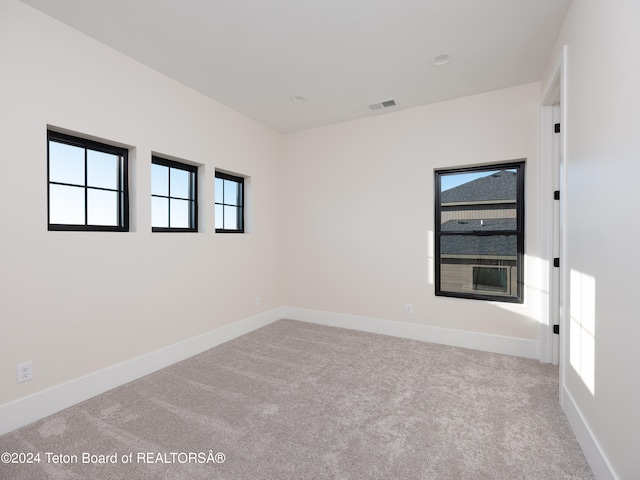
(86, 188)
(223, 204)
(240, 210)
(120, 195)
(193, 192)
(169, 196)
(491, 233)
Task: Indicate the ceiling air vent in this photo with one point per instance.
(385, 104)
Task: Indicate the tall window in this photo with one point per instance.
(174, 206)
(229, 190)
(479, 220)
(87, 185)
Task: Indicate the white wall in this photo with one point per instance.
(77, 302)
(359, 209)
(603, 166)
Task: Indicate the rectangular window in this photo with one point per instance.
(87, 185)
(229, 192)
(174, 205)
(479, 238)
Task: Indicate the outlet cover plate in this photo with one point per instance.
(25, 372)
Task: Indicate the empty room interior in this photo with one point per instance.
(358, 239)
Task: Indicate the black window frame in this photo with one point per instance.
(240, 205)
(122, 189)
(193, 195)
(519, 233)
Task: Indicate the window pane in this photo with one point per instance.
(231, 218)
(66, 164)
(159, 181)
(219, 216)
(102, 207)
(219, 191)
(473, 186)
(479, 264)
(66, 205)
(179, 214)
(179, 183)
(102, 169)
(491, 279)
(231, 193)
(479, 201)
(159, 212)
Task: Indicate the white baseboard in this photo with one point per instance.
(26, 410)
(598, 462)
(447, 336)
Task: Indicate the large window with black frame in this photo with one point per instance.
(87, 184)
(479, 232)
(174, 196)
(229, 200)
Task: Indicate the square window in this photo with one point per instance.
(87, 185)
(229, 197)
(174, 196)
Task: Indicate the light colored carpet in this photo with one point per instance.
(295, 400)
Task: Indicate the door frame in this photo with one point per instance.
(553, 227)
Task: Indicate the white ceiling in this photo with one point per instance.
(341, 55)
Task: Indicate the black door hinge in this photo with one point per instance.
(556, 262)
(556, 329)
(556, 195)
(556, 128)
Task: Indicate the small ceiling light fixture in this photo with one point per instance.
(441, 59)
(297, 99)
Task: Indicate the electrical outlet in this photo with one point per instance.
(408, 309)
(25, 371)
(258, 302)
